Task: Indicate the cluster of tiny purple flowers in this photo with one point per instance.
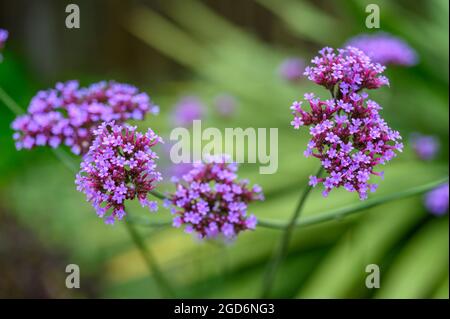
(210, 200)
(384, 48)
(67, 114)
(3, 38)
(349, 68)
(348, 134)
(119, 166)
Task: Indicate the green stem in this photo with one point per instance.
(9, 102)
(336, 214)
(148, 223)
(65, 158)
(163, 284)
(158, 195)
(342, 212)
(281, 250)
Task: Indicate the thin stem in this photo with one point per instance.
(342, 212)
(158, 195)
(66, 160)
(281, 250)
(332, 93)
(9, 102)
(163, 284)
(148, 223)
(336, 214)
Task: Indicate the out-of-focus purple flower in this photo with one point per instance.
(3, 37)
(436, 201)
(225, 104)
(67, 114)
(119, 166)
(188, 109)
(177, 171)
(349, 136)
(210, 200)
(292, 69)
(384, 48)
(426, 147)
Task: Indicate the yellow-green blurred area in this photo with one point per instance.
(172, 48)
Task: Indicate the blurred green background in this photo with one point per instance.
(206, 48)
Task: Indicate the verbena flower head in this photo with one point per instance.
(348, 135)
(425, 146)
(3, 37)
(188, 109)
(385, 49)
(210, 200)
(350, 68)
(119, 166)
(292, 69)
(436, 201)
(67, 114)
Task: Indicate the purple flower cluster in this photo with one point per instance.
(348, 134)
(188, 109)
(3, 37)
(436, 201)
(119, 166)
(67, 114)
(350, 68)
(385, 49)
(212, 201)
(292, 69)
(426, 147)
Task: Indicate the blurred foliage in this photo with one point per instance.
(218, 55)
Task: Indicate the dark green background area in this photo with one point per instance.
(205, 48)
